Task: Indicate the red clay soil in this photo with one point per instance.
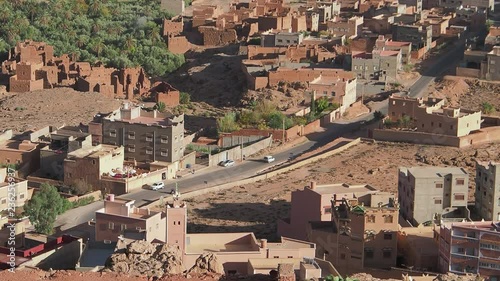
(29, 275)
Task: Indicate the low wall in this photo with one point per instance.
(485, 135)
(468, 72)
(415, 137)
(236, 153)
(37, 182)
(96, 194)
(311, 127)
(263, 176)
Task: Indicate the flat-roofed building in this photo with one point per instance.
(487, 195)
(317, 198)
(427, 193)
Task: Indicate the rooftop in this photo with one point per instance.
(493, 226)
(386, 53)
(397, 43)
(288, 243)
(273, 263)
(339, 188)
(433, 172)
(94, 151)
(15, 145)
(321, 80)
(221, 242)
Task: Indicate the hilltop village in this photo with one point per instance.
(250, 140)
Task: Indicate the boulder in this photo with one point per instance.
(206, 263)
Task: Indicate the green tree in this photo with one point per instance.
(321, 104)
(487, 108)
(404, 121)
(228, 124)
(184, 98)
(44, 207)
(277, 119)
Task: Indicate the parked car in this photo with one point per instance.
(157, 186)
(269, 159)
(227, 163)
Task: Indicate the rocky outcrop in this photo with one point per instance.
(141, 258)
(206, 263)
(286, 272)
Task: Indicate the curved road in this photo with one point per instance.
(219, 175)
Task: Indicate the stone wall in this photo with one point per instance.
(178, 44)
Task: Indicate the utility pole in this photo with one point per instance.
(284, 129)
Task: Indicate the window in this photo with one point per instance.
(112, 133)
(440, 125)
(460, 181)
(369, 253)
(93, 162)
(437, 201)
(123, 227)
(387, 236)
(175, 223)
(276, 257)
(370, 219)
(131, 148)
(149, 150)
(432, 124)
(4, 200)
(355, 67)
(328, 210)
(451, 126)
(461, 250)
(387, 253)
(439, 185)
(333, 94)
(290, 257)
(231, 272)
(157, 226)
(164, 139)
(388, 219)
(164, 153)
(21, 196)
(179, 222)
(460, 197)
(131, 135)
(111, 225)
(149, 138)
(325, 93)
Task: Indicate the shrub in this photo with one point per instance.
(227, 124)
(378, 115)
(161, 107)
(184, 98)
(81, 187)
(487, 108)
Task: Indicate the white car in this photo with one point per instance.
(157, 186)
(269, 159)
(227, 163)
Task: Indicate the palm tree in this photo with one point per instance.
(98, 46)
(129, 42)
(154, 33)
(95, 7)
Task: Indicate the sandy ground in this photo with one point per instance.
(466, 93)
(30, 110)
(257, 207)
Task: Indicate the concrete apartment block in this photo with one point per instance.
(488, 190)
(351, 27)
(420, 36)
(146, 136)
(426, 193)
(281, 39)
(7, 181)
(470, 247)
(379, 65)
(90, 163)
(384, 44)
(318, 199)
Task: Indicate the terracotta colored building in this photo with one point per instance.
(431, 116)
(166, 93)
(470, 247)
(362, 233)
(318, 199)
(120, 219)
(90, 163)
(23, 153)
(418, 248)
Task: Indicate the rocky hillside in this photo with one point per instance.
(141, 258)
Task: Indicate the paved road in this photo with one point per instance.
(219, 175)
